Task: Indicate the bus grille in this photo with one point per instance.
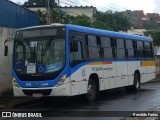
(43, 92)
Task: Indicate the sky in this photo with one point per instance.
(148, 6)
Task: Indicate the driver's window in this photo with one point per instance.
(77, 55)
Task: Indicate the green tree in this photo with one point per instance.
(100, 21)
(81, 20)
(39, 3)
(155, 34)
(112, 21)
(42, 17)
(65, 18)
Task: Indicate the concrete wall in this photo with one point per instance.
(73, 11)
(5, 61)
(136, 31)
(42, 9)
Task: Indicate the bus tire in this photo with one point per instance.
(137, 84)
(91, 91)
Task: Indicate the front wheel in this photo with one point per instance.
(91, 91)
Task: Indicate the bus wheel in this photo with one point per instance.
(91, 91)
(137, 83)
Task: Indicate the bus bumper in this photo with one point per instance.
(63, 90)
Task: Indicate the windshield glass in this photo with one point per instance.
(39, 55)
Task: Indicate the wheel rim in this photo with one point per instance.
(137, 82)
(137, 85)
(91, 90)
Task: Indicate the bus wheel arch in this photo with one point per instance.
(93, 87)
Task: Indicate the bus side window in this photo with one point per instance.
(147, 50)
(152, 50)
(106, 48)
(120, 49)
(130, 48)
(140, 53)
(93, 47)
(77, 55)
(113, 45)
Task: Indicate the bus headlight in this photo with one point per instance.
(61, 81)
(15, 82)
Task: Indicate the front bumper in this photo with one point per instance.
(63, 90)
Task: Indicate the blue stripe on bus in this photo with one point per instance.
(106, 32)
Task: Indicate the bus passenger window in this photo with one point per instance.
(140, 49)
(130, 49)
(106, 47)
(93, 48)
(147, 50)
(120, 49)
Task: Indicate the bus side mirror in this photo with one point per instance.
(74, 46)
(5, 50)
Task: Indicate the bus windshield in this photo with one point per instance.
(38, 54)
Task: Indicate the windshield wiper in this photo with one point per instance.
(47, 47)
(19, 40)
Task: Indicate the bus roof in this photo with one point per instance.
(94, 31)
(107, 32)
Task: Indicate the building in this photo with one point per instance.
(135, 31)
(157, 58)
(74, 11)
(12, 17)
(140, 20)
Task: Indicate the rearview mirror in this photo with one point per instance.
(5, 50)
(6, 46)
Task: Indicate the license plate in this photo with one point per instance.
(37, 95)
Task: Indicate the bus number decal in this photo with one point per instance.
(97, 68)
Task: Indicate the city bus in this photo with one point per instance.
(69, 60)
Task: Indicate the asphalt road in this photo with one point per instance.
(113, 104)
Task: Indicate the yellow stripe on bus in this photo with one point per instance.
(99, 63)
(148, 63)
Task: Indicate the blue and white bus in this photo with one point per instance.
(69, 60)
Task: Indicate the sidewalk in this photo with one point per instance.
(157, 79)
(7, 100)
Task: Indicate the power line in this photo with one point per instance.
(110, 24)
(108, 7)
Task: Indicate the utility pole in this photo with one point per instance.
(59, 16)
(48, 12)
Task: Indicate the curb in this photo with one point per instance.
(153, 81)
(15, 102)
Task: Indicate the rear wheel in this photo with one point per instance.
(91, 91)
(136, 85)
